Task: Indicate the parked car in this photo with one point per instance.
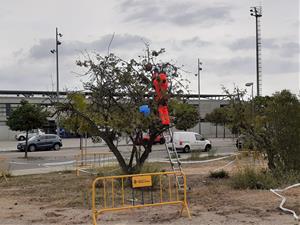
(187, 141)
(31, 133)
(41, 142)
(159, 139)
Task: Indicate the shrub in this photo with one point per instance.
(152, 168)
(251, 178)
(286, 178)
(220, 174)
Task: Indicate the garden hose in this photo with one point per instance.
(284, 199)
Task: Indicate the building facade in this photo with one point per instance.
(9, 100)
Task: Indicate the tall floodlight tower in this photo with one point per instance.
(57, 43)
(256, 11)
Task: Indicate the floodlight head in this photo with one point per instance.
(58, 43)
(249, 84)
(52, 51)
(59, 34)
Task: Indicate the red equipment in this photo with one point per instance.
(160, 84)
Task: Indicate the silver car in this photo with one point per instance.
(41, 142)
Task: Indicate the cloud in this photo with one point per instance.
(180, 14)
(235, 65)
(290, 49)
(194, 42)
(42, 49)
(280, 66)
(283, 49)
(250, 43)
(71, 48)
(247, 65)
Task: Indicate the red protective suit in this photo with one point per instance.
(160, 84)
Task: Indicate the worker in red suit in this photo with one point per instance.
(160, 84)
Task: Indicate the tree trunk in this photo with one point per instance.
(117, 153)
(216, 130)
(224, 130)
(26, 144)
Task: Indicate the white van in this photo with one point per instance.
(187, 141)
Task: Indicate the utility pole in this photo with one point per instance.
(257, 13)
(57, 43)
(199, 96)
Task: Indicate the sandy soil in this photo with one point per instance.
(57, 199)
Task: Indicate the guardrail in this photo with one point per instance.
(90, 161)
(115, 193)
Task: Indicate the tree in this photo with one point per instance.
(117, 90)
(27, 117)
(272, 126)
(217, 116)
(278, 131)
(187, 116)
(237, 116)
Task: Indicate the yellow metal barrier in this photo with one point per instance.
(93, 160)
(3, 168)
(115, 193)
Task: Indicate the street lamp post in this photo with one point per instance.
(257, 13)
(199, 96)
(57, 43)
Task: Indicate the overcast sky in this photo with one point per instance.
(220, 32)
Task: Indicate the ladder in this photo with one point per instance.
(174, 160)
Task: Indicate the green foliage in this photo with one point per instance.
(186, 115)
(27, 117)
(118, 88)
(286, 177)
(283, 131)
(236, 114)
(251, 178)
(217, 116)
(270, 125)
(74, 122)
(219, 174)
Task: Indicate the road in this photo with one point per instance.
(46, 161)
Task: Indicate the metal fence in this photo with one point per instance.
(87, 162)
(115, 193)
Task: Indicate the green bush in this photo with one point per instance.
(220, 174)
(286, 178)
(152, 168)
(251, 178)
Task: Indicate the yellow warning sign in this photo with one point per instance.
(141, 181)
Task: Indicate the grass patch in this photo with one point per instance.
(220, 174)
(251, 178)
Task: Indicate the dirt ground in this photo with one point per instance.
(59, 198)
